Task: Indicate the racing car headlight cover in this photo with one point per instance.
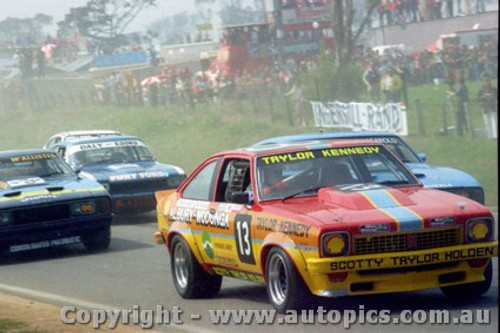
(479, 230)
(83, 208)
(335, 244)
(6, 218)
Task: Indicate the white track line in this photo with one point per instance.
(53, 298)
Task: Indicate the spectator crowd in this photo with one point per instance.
(387, 75)
(393, 12)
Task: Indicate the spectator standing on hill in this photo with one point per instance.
(371, 78)
(459, 7)
(449, 8)
(462, 94)
(404, 73)
(391, 85)
(296, 92)
(480, 6)
(423, 10)
(40, 62)
(27, 63)
(153, 56)
(412, 10)
(487, 95)
(467, 7)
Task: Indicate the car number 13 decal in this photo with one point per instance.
(242, 234)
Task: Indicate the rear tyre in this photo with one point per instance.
(190, 280)
(285, 288)
(471, 290)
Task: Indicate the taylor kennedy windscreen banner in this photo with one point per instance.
(390, 117)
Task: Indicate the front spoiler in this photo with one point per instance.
(402, 259)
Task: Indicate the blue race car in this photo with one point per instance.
(77, 135)
(437, 177)
(43, 204)
(125, 166)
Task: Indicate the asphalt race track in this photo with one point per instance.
(135, 274)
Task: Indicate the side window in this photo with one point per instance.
(200, 186)
(62, 152)
(236, 178)
(382, 170)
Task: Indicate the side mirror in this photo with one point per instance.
(422, 157)
(240, 198)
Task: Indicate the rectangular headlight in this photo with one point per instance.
(83, 208)
(335, 244)
(6, 219)
(479, 230)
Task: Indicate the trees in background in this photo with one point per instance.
(16, 32)
(102, 20)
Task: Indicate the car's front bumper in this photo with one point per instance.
(38, 236)
(399, 271)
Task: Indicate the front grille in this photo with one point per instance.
(41, 214)
(476, 194)
(407, 241)
(148, 185)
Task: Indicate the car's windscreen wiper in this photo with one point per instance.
(308, 190)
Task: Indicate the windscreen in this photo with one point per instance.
(304, 172)
(110, 152)
(41, 165)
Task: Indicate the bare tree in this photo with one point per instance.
(104, 20)
(344, 36)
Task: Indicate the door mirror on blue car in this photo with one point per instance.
(422, 157)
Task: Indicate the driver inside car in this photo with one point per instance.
(274, 181)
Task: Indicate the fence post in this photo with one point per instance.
(270, 97)
(420, 118)
(469, 120)
(289, 111)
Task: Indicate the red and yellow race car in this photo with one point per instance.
(342, 218)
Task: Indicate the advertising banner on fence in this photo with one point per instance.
(389, 117)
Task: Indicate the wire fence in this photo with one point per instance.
(269, 101)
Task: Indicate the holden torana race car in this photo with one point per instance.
(77, 135)
(438, 177)
(333, 218)
(125, 166)
(43, 204)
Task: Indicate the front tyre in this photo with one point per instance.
(190, 280)
(471, 290)
(285, 288)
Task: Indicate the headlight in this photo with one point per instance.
(6, 218)
(83, 208)
(103, 206)
(335, 244)
(479, 230)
